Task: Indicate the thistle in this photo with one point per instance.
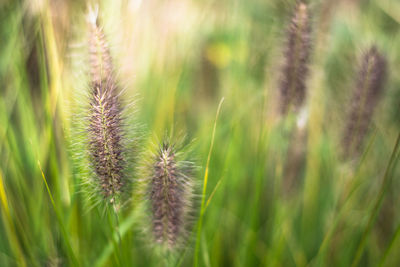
(296, 60)
(170, 193)
(105, 128)
(366, 95)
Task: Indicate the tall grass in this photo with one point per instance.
(275, 187)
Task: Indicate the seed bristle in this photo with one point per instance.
(366, 95)
(105, 132)
(169, 191)
(296, 60)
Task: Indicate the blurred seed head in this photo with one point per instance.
(366, 94)
(295, 69)
(170, 194)
(295, 162)
(101, 67)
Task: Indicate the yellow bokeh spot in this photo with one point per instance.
(219, 54)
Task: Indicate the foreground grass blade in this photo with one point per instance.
(64, 233)
(12, 237)
(340, 214)
(203, 197)
(124, 228)
(375, 210)
(390, 246)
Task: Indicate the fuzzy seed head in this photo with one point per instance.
(101, 66)
(366, 95)
(105, 133)
(168, 197)
(105, 136)
(296, 60)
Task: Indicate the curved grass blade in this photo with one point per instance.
(203, 197)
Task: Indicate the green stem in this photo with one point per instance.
(117, 242)
(202, 209)
(389, 248)
(375, 210)
(71, 253)
(346, 197)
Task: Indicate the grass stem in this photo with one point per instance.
(386, 180)
(203, 197)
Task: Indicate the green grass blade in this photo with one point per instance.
(64, 233)
(386, 180)
(203, 197)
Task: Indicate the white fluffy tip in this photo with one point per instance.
(302, 118)
(93, 12)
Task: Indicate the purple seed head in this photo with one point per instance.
(106, 151)
(366, 95)
(296, 60)
(105, 133)
(170, 190)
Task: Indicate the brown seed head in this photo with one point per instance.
(105, 131)
(105, 137)
(296, 60)
(168, 196)
(366, 95)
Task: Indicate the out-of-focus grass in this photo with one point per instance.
(179, 58)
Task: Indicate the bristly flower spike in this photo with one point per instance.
(105, 133)
(369, 87)
(101, 67)
(170, 194)
(295, 69)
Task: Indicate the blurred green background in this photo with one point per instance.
(280, 194)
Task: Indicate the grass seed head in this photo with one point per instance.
(296, 60)
(106, 151)
(366, 95)
(101, 66)
(106, 134)
(170, 195)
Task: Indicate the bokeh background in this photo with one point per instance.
(279, 193)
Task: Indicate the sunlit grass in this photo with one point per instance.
(273, 190)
